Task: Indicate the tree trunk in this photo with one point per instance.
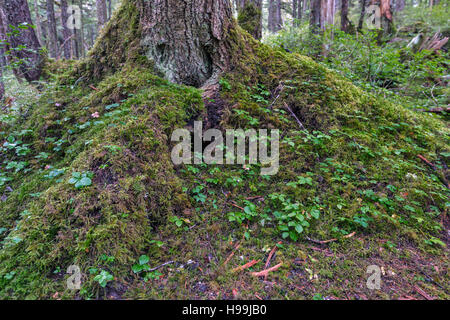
(295, 4)
(278, 17)
(2, 56)
(250, 16)
(362, 15)
(52, 36)
(315, 21)
(345, 23)
(327, 13)
(67, 33)
(300, 9)
(38, 23)
(80, 33)
(101, 13)
(28, 62)
(387, 23)
(187, 39)
(275, 20)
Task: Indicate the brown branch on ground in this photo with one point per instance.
(437, 110)
(433, 167)
(246, 266)
(294, 116)
(423, 293)
(232, 254)
(270, 257)
(331, 240)
(264, 273)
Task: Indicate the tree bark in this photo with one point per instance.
(250, 16)
(2, 57)
(387, 23)
(101, 13)
(297, 11)
(16, 13)
(51, 31)
(315, 21)
(275, 19)
(327, 14)
(67, 33)
(187, 39)
(363, 13)
(345, 23)
(38, 23)
(80, 33)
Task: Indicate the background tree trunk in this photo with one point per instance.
(295, 4)
(275, 22)
(362, 15)
(2, 57)
(250, 16)
(327, 13)
(387, 19)
(315, 21)
(51, 30)
(16, 13)
(38, 23)
(345, 23)
(80, 33)
(187, 39)
(101, 13)
(67, 33)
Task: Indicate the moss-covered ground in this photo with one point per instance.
(86, 179)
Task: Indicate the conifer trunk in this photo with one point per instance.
(187, 40)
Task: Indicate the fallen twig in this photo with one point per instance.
(423, 293)
(320, 241)
(232, 254)
(235, 205)
(295, 117)
(437, 110)
(92, 87)
(255, 197)
(270, 256)
(160, 266)
(245, 266)
(264, 273)
(433, 167)
(331, 240)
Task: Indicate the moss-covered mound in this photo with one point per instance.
(87, 180)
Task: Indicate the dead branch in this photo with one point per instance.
(264, 273)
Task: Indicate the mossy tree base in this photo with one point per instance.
(355, 166)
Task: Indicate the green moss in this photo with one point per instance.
(249, 18)
(359, 152)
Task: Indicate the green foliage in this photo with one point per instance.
(412, 78)
(103, 278)
(143, 268)
(81, 179)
